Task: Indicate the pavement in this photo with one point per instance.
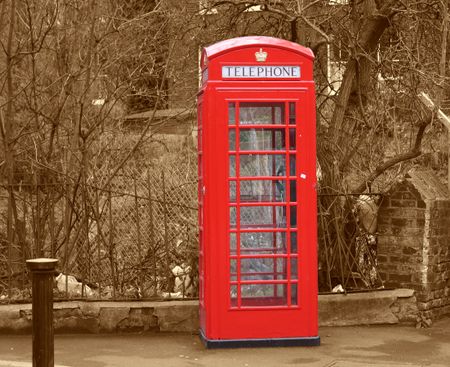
(356, 346)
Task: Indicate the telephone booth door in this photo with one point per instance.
(261, 250)
(262, 204)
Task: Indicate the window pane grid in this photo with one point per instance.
(263, 219)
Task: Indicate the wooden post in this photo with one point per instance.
(42, 273)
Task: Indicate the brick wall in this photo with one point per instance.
(414, 240)
(435, 298)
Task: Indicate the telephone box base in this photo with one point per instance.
(255, 343)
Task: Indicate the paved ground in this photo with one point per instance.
(381, 346)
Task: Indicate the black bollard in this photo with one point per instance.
(42, 275)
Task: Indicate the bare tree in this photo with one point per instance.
(69, 72)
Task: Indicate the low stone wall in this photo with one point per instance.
(107, 317)
(397, 306)
(381, 307)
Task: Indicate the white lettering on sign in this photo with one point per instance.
(261, 71)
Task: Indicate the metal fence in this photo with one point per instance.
(133, 236)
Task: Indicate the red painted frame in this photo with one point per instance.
(220, 319)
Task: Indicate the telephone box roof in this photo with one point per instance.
(251, 41)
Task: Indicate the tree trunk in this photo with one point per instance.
(369, 36)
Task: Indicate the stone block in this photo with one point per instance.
(15, 326)
(10, 314)
(110, 318)
(423, 306)
(405, 203)
(403, 195)
(177, 318)
(400, 222)
(75, 324)
(63, 313)
(420, 222)
(26, 314)
(335, 310)
(411, 213)
(139, 319)
(384, 221)
(429, 314)
(149, 320)
(90, 309)
(394, 259)
(400, 278)
(383, 307)
(13, 320)
(405, 309)
(421, 204)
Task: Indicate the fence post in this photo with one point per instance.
(42, 273)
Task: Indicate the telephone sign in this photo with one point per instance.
(260, 72)
(257, 196)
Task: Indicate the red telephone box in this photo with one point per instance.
(257, 196)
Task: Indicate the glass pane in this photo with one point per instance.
(262, 139)
(233, 243)
(232, 165)
(260, 191)
(233, 217)
(293, 190)
(263, 269)
(263, 216)
(232, 139)
(232, 113)
(233, 295)
(232, 189)
(254, 295)
(293, 213)
(292, 164)
(233, 270)
(263, 165)
(292, 118)
(261, 113)
(292, 139)
(294, 295)
(263, 243)
(294, 268)
(294, 249)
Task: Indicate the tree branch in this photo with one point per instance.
(413, 153)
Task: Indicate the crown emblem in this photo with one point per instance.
(261, 55)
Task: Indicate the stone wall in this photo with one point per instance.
(383, 307)
(414, 240)
(106, 317)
